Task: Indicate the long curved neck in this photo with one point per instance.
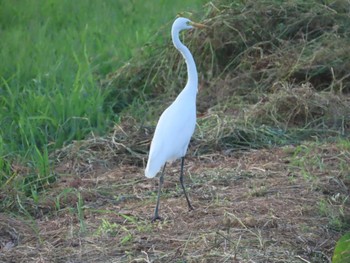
(192, 82)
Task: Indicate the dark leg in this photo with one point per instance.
(161, 180)
(182, 183)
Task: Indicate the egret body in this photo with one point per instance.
(177, 123)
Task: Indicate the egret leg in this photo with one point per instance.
(182, 183)
(161, 180)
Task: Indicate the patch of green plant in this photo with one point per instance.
(22, 183)
(40, 174)
(342, 250)
(334, 211)
(107, 228)
(62, 197)
(301, 158)
(124, 231)
(6, 174)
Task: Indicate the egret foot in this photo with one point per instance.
(155, 218)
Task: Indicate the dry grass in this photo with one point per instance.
(270, 74)
(256, 206)
(249, 49)
(302, 106)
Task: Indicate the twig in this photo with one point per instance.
(302, 259)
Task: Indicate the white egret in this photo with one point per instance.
(177, 123)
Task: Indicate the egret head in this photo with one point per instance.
(182, 23)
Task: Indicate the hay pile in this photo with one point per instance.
(256, 57)
(271, 73)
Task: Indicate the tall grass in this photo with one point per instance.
(54, 52)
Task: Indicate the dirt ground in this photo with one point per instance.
(252, 206)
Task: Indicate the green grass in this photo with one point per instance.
(53, 55)
(342, 249)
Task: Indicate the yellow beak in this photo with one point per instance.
(198, 25)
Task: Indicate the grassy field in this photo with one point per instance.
(267, 169)
(54, 54)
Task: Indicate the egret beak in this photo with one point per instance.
(198, 25)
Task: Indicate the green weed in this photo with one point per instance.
(107, 229)
(342, 249)
(80, 210)
(334, 211)
(62, 196)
